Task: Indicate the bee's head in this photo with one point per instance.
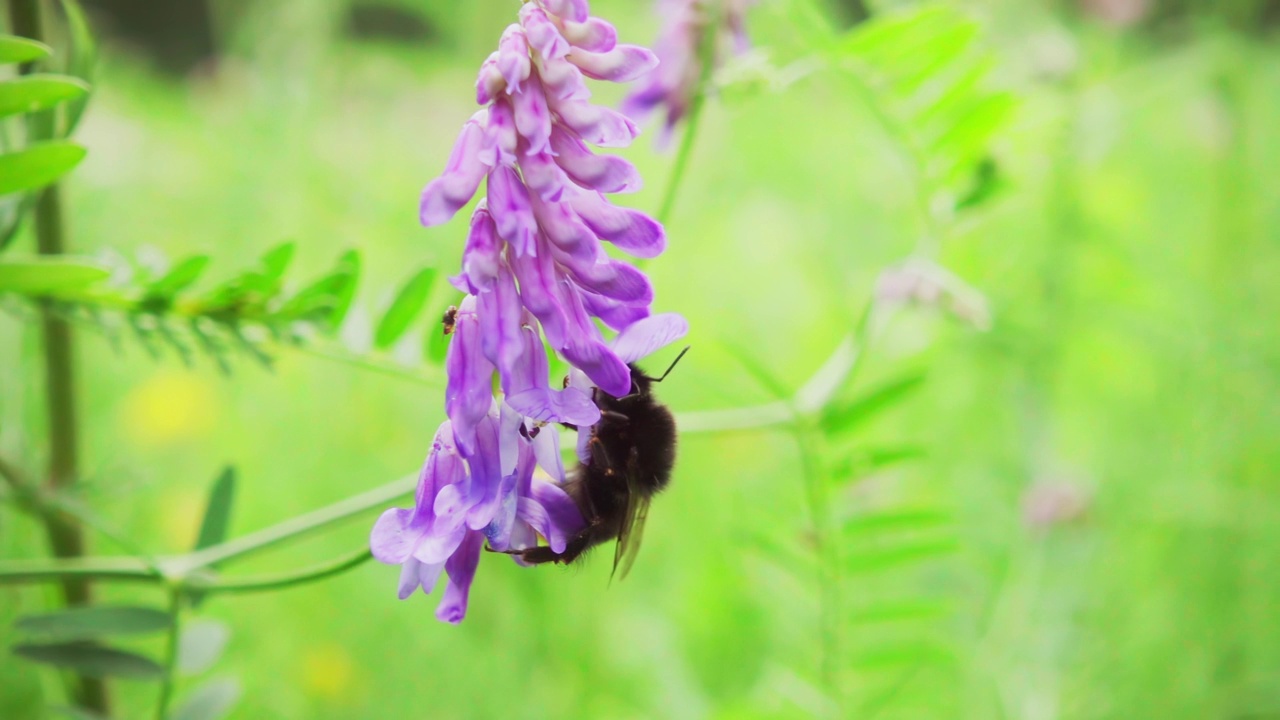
(642, 384)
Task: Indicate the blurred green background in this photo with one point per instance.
(1128, 384)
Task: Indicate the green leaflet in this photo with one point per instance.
(14, 49)
(406, 306)
(38, 165)
(844, 417)
(217, 513)
(87, 658)
(93, 622)
(31, 93)
(40, 275)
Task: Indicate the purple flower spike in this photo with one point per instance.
(533, 267)
(679, 48)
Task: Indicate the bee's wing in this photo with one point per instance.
(632, 530)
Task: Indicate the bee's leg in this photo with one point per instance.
(615, 416)
(544, 554)
(597, 450)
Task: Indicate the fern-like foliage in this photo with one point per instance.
(246, 314)
(930, 79)
(39, 110)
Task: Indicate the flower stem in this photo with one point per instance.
(707, 58)
(280, 581)
(185, 569)
(817, 496)
(298, 526)
(65, 537)
(171, 652)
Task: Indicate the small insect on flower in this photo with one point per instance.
(632, 452)
(450, 319)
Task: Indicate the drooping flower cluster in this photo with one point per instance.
(534, 270)
(680, 49)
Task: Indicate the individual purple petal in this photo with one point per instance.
(441, 541)
(414, 575)
(647, 336)
(498, 532)
(567, 406)
(586, 350)
(562, 80)
(500, 137)
(631, 231)
(444, 196)
(483, 496)
(595, 35)
(575, 10)
(501, 315)
(597, 125)
(543, 176)
(452, 500)
(513, 58)
(617, 315)
(509, 440)
(490, 82)
(546, 448)
(538, 280)
(561, 226)
(529, 390)
(468, 392)
(542, 33)
(482, 255)
(393, 539)
(462, 570)
(509, 205)
(578, 380)
(522, 537)
(605, 173)
(551, 512)
(608, 277)
(533, 117)
(623, 63)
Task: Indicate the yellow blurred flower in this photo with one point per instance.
(327, 671)
(168, 407)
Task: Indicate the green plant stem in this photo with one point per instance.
(914, 160)
(296, 527)
(171, 652)
(707, 58)
(817, 497)
(65, 537)
(186, 568)
(280, 581)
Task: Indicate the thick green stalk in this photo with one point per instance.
(65, 537)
